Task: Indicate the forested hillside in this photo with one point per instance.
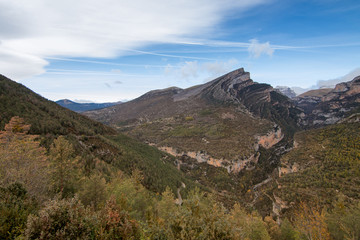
(43, 115)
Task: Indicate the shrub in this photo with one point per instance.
(62, 219)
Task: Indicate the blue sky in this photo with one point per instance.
(114, 50)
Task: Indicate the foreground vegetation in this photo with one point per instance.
(51, 193)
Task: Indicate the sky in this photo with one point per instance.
(116, 50)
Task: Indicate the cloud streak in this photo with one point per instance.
(192, 69)
(101, 29)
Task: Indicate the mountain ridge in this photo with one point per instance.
(82, 107)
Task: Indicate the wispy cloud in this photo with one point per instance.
(241, 46)
(330, 83)
(104, 62)
(101, 29)
(192, 69)
(256, 49)
(168, 55)
(189, 69)
(220, 67)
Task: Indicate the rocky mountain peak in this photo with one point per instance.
(220, 88)
(286, 91)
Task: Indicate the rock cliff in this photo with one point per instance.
(331, 106)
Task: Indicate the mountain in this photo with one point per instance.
(44, 116)
(225, 132)
(94, 142)
(286, 91)
(82, 107)
(328, 106)
(205, 118)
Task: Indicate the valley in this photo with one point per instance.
(233, 139)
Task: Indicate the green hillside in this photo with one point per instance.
(92, 140)
(327, 163)
(44, 116)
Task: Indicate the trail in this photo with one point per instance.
(256, 193)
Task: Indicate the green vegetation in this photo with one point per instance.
(329, 161)
(45, 117)
(105, 203)
(157, 167)
(220, 131)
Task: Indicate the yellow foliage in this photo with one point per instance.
(310, 222)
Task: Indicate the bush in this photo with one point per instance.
(62, 219)
(15, 206)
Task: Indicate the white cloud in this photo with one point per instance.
(256, 49)
(332, 82)
(189, 70)
(17, 65)
(193, 69)
(101, 29)
(218, 68)
(82, 101)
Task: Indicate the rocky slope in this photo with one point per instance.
(328, 106)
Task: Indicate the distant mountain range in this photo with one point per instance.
(82, 107)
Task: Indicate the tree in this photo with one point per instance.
(93, 191)
(15, 127)
(63, 167)
(310, 222)
(247, 226)
(22, 159)
(116, 223)
(344, 222)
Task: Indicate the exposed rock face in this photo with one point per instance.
(286, 169)
(271, 138)
(286, 91)
(278, 205)
(232, 166)
(330, 107)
